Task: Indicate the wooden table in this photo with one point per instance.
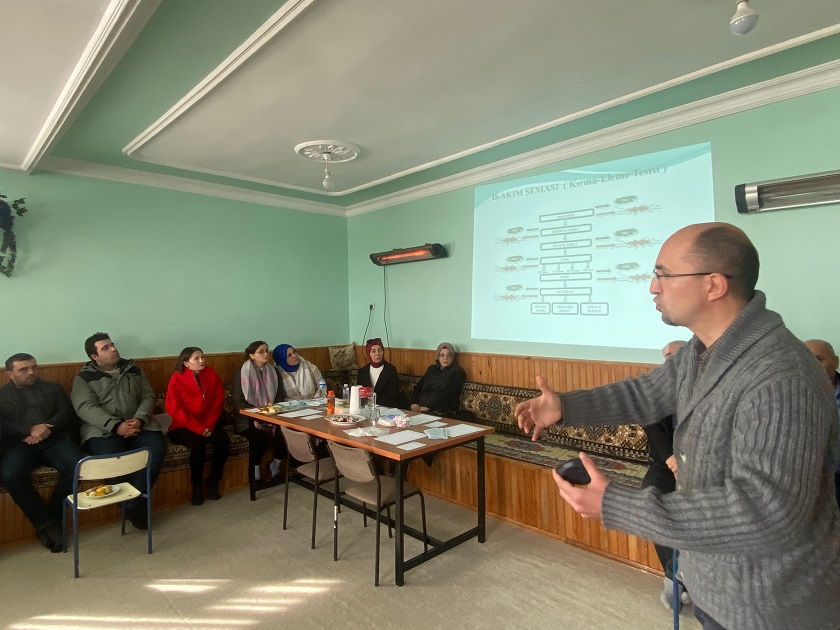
(320, 427)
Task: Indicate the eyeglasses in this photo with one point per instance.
(659, 275)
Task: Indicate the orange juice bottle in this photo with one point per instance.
(330, 402)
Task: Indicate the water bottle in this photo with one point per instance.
(345, 393)
(322, 388)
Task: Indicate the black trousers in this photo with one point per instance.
(260, 441)
(198, 451)
(660, 477)
(17, 462)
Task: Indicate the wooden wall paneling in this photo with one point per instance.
(526, 495)
(494, 369)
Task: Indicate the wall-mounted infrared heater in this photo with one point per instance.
(792, 192)
(410, 254)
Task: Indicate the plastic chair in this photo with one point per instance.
(317, 470)
(97, 467)
(371, 489)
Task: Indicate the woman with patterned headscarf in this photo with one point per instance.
(300, 377)
(439, 391)
(381, 375)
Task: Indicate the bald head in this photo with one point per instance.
(726, 249)
(672, 348)
(824, 353)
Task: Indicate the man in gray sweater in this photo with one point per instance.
(756, 432)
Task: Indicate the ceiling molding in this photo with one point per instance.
(11, 167)
(182, 184)
(799, 83)
(121, 22)
(277, 22)
(287, 14)
(626, 98)
(796, 84)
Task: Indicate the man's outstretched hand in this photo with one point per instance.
(539, 413)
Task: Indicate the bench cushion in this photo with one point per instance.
(493, 405)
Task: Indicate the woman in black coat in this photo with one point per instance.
(439, 391)
(382, 376)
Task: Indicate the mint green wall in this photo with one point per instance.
(161, 270)
(429, 302)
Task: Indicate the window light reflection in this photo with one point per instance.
(186, 585)
(186, 621)
(291, 589)
(248, 607)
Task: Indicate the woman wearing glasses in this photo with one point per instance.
(439, 391)
(256, 384)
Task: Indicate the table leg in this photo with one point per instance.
(399, 552)
(481, 497)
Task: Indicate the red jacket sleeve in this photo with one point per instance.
(214, 397)
(185, 403)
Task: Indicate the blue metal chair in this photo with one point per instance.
(98, 467)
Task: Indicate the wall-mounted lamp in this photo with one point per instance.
(792, 192)
(409, 254)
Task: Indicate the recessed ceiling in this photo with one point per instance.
(220, 92)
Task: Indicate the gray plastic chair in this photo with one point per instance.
(317, 470)
(371, 489)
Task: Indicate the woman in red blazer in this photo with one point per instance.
(194, 399)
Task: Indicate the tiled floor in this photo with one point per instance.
(228, 565)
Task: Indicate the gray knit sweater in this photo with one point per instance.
(754, 514)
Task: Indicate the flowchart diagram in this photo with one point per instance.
(575, 254)
(572, 255)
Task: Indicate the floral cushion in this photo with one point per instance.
(343, 357)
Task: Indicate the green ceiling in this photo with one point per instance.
(186, 39)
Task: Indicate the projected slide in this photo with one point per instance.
(567, 257)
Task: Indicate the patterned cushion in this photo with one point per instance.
(343, 357)
(547, 454)
(493, 405)
(337, 378)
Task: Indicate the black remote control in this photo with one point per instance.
(574, 472)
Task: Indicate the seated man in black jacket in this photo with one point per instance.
(35, 420)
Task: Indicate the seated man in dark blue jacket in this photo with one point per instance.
(35, 420)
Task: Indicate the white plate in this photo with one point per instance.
(115, 487)
(345, 420)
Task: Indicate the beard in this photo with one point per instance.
(668, 321)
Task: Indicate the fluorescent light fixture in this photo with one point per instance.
(409, 254)
(793, 192)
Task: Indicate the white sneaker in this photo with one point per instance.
(274, 467)
(667, 595)
(257, 475)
